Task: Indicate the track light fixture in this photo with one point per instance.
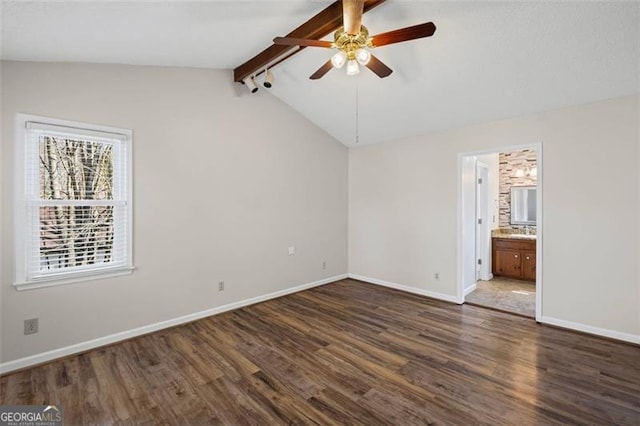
(268, 78)
(250, 83)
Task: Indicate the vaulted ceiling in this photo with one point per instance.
(486, 61)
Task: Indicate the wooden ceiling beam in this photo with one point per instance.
(325, 22)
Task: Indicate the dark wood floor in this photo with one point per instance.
(345, 353)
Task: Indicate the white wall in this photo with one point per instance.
(403, 203)
(260, 178)
(224, 182)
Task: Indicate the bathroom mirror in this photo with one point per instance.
(523, 205)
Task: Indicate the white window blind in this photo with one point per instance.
(74, 208)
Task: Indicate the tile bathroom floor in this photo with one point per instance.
(505, 294)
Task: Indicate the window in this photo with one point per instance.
(73, 202)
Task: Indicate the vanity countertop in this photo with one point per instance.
(515, 236)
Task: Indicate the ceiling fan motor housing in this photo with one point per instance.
(350, 43)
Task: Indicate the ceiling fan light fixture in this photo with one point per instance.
(251, 84)
(339, 59)
(363, 56)
(352, 67)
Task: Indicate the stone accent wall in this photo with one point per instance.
(510, 163)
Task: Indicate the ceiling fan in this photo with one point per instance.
(353, 42)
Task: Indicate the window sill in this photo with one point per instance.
(89, 276)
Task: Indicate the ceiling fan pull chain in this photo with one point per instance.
(357, 114)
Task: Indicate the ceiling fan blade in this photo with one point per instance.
(292, 41)
(378, 67)
(352, 15)
(404, 34)
(322, 70)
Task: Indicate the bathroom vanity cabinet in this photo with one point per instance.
(514, 258)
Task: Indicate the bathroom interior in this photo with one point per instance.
(506, 232)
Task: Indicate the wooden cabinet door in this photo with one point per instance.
(529, 265)
(508, 263)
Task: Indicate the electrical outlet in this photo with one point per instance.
(324, 264)
(31, 326)
(436, 275)
(292, 250)
(220, 285)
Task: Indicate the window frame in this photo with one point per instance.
(22, 280)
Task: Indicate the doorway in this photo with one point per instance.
(499, 253)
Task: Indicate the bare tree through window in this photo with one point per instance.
(74, 171)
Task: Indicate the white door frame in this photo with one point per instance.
(469, 238)
(468, 172)
(483, 272)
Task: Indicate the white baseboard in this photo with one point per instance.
(408, 289)
(470, 289)
(631, 338)
(626, 337)
(113, 338)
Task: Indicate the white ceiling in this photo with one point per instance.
(486, 61)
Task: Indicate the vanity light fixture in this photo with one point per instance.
(527, 172)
